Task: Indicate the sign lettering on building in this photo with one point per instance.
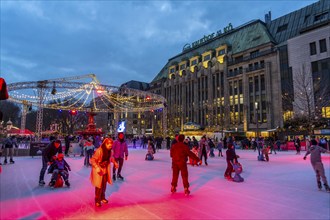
(209, 37)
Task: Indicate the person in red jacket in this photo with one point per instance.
(180, 153)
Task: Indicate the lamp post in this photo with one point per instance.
(256, 109)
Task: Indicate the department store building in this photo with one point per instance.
(234, 80)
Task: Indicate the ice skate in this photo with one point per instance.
(98, 204)
(51, 183)
(327, 188)
(11, 161)
(319, 185)
(114, 177)
(186, 191)
(5, 162)
(119, 177)
(67, 183)
(173, 189)
(105, 201)
(41, 183)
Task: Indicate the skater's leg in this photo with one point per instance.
(317, 173)
(229, 169)
(175, 174)
(104, 186)
(121, 162)
(114, 168)
(43, 170)
(321, 173)
(184, 175)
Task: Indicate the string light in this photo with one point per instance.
(81, 96)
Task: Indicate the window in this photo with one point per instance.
(312, 48)
(194, 62)
(262, 63)
(182, 66)
(172, 70)
(254, 54)
(221, 52)
(315, 67)
(239, 58)
(282, 28)
(320, 16)
(207, 57)
(324, 65)
(323, 46)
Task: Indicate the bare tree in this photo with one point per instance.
(10, 111)
(311, 95)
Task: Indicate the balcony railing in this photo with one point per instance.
(254, 56)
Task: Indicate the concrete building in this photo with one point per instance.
(235, 79)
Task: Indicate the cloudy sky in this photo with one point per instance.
(117, 40)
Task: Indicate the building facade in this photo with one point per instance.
(237, 79)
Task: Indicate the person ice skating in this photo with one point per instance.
(179, 153)
(67, 141)
(120, 151)
(9, 144)
(204, 149)
(101, 170)
(48, 157)
(59, 167)
(82, 144)
(151, 150)
(220, 146)
(231, 158)
(265, 152)
(297, 145)
(278, 144)
(89, 150)
(212, 146)
(316, 161)
(191, 160)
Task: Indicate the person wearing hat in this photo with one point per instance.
(48, 157)
(120, 151)
(316, 161)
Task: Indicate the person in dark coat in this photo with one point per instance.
(67, 140)
(297, 145)
(231, 158)
(179, 154)
(48, 157)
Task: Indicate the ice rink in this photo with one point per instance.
(284, 188)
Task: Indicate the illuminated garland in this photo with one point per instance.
(63, 94)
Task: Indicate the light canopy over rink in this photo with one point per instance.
(284, 188)
(83, 93)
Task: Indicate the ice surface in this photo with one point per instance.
(284, 188)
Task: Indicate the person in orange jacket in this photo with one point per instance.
(101, 170)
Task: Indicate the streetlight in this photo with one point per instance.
(256, 109)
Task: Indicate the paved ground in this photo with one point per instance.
(284, 188)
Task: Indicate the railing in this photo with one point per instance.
(253, 68)
(254, 56)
